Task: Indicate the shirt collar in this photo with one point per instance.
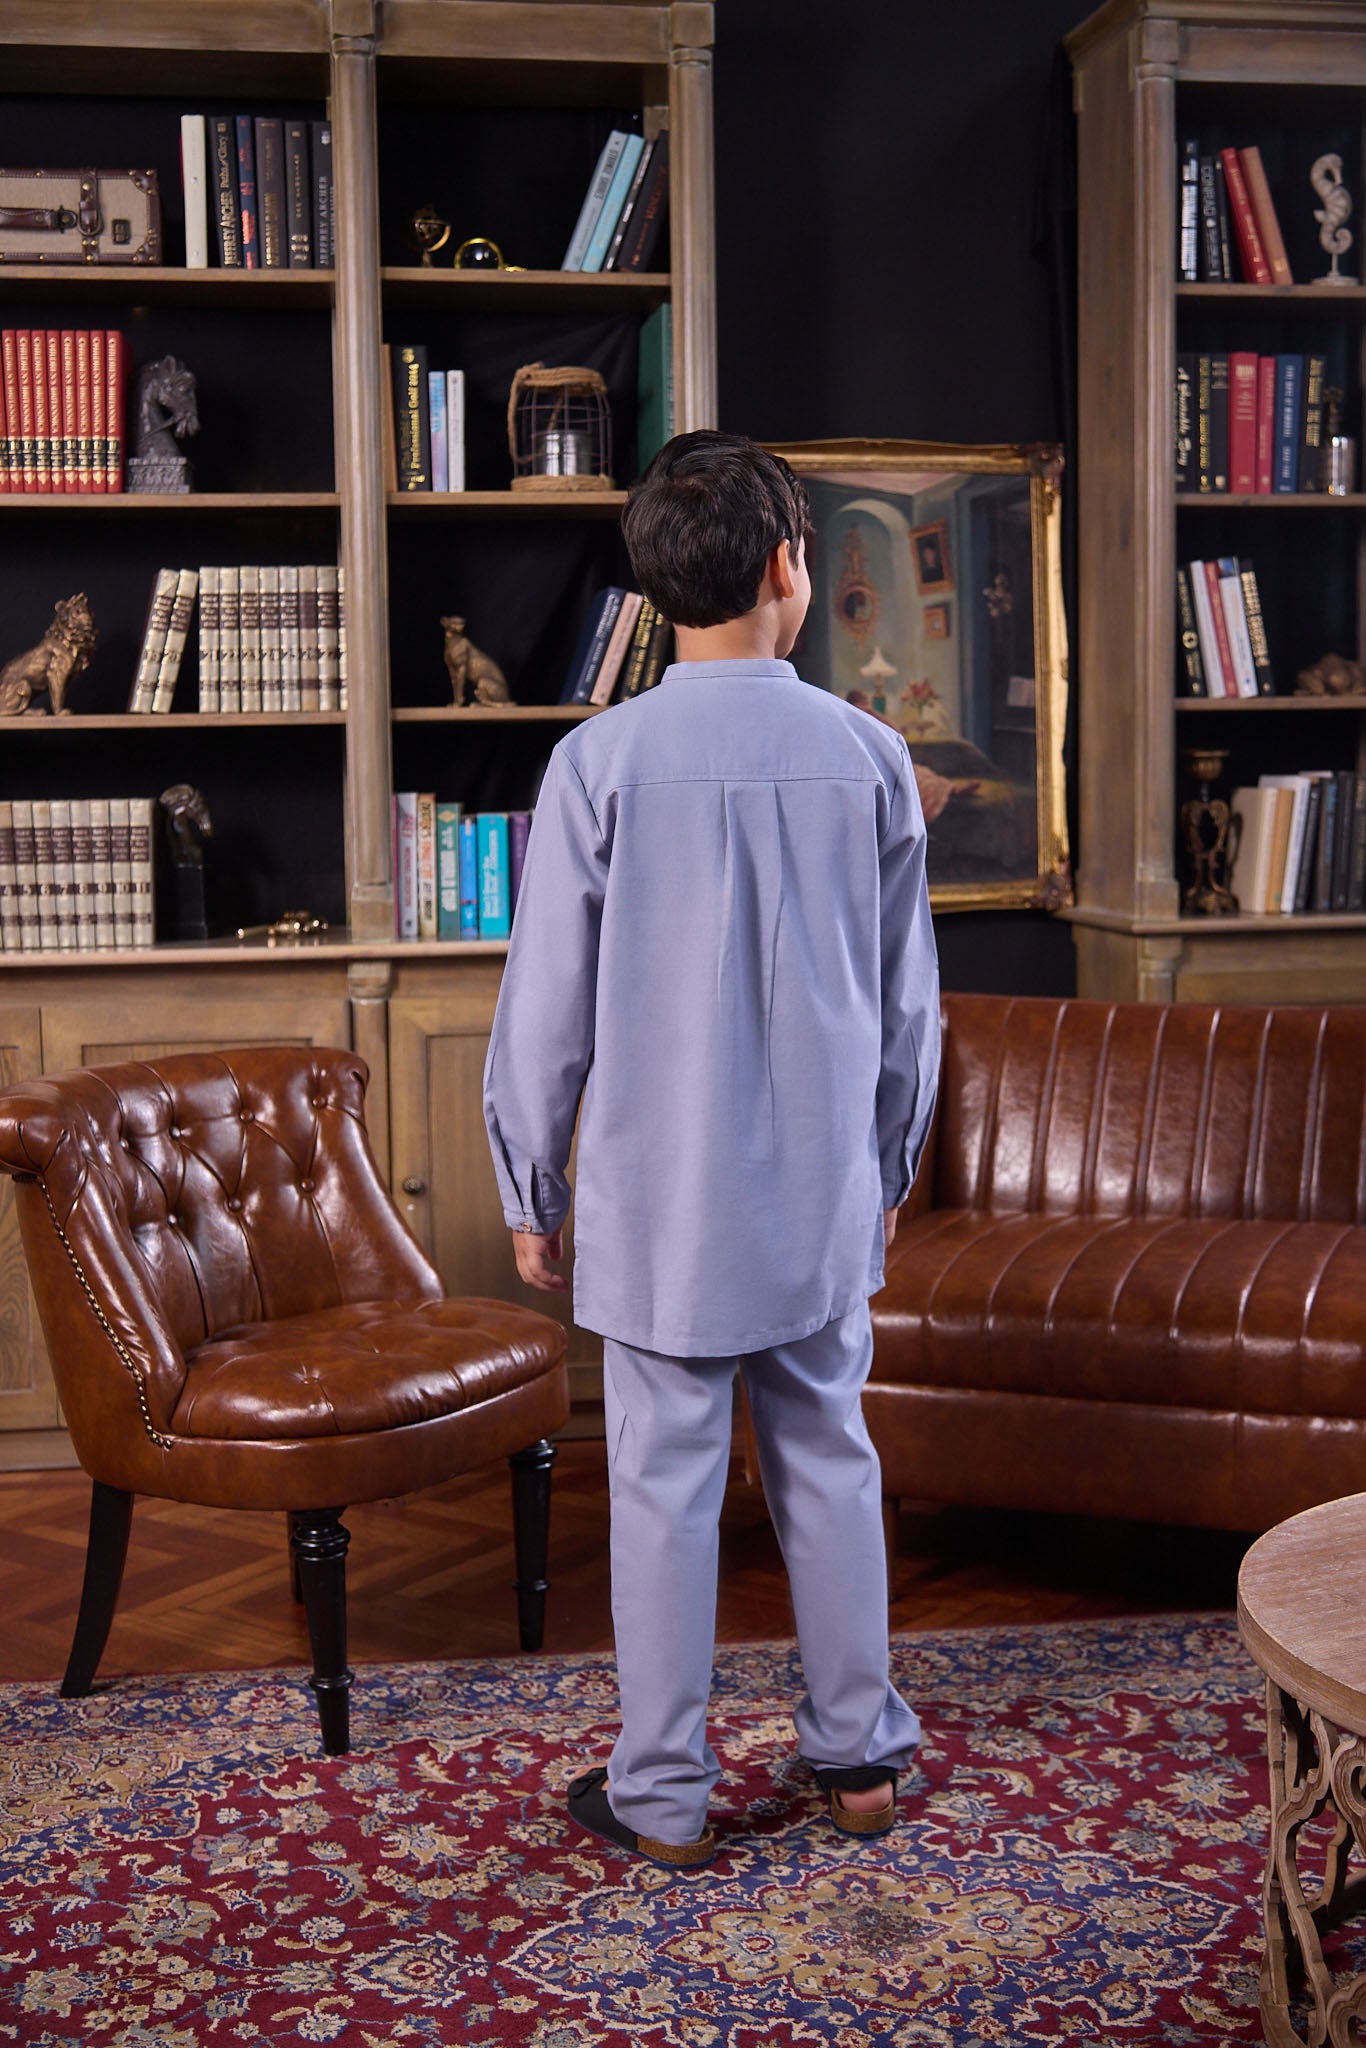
(756, 667)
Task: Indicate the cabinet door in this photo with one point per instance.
(28, 1399)
(139, 1025)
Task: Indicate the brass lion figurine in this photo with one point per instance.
(63, 652)
(1332, 675)
(475, 676)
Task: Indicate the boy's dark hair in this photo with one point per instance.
(702, 521)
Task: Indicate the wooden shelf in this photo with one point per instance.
(1276, 298)
(153, 721)
(490, 714)
(524, 291)
(1286, 703)
(335, 945)
(1263, 501)
(134, 284)
(508, 504)
(128, 504)
(1213, 927)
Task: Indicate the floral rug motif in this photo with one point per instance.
(1079, 1860)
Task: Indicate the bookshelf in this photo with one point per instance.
(494, 111)
(1287, 75)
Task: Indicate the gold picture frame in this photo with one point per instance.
(977, 686)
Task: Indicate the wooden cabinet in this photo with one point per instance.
(1288, 75)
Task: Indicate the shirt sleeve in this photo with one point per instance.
(910, 994)
(541, 1046)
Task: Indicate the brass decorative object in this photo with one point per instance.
(475, 676)
(1325, 176)
(428, 232)
(559, 430)
(290, 927)
(165, 410)
(1332, 675)
(477, 252)
(1205, 826)
(63, 652)
(187, 824)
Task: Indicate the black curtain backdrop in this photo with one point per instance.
(893, 190)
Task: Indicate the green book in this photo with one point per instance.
(448, 871)
(656, 384)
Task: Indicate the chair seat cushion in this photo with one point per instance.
(1179, 1311)
(371, 1365)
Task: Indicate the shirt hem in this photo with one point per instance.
(670, 1344)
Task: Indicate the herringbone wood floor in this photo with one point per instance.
(430, 1575)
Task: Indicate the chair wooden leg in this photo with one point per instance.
(319, 1545)
(531, 1537)
(111, 1515)
(295, 1588)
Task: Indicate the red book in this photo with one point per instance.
(27, 416)
(1252, 255)
(1216, 605)
(97, 482)
(1242, 422)
(4, 434)
(116, 380)
(1264, 210)
(9, 356)
(70, 451)
(42, 410)
(55, 428)
(83, 430)
(1266, 422)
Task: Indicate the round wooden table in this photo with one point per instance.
(1302, 1613)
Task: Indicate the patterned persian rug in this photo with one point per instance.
(1079, 1860)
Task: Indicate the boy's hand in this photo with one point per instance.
(535, 1260)
(889, 1217)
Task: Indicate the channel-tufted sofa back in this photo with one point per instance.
(1144, 1109)
(199, 1192)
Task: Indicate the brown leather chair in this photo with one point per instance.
(237, 1316)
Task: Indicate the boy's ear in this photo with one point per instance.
(782, 569)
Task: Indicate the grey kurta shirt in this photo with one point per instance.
(723, 943)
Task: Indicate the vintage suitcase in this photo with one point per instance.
(83, 216)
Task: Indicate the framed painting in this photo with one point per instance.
(937, 607)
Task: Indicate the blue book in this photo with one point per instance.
(593, 198)
(1288, 424)
(246, 191)
(601, 239)
(448, 871)
(436, 407)
(469, 878)
(495, 876)
(592, 645)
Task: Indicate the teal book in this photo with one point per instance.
(469, 879)
(655, 389)
(606, 224)
(448, 871)
(495, 876)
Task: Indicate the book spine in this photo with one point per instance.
(99, 401)
(209, 639)
(328, 638)
(1242, 423)
(63, 875)
(309, 684)
(605, 681)
(426, 866)
(455, 429)
(1227, 670)
(519, 835)
(436, 408)
(5, 425)
(249, 634)
(320, 157)
(1218, 421)
(405, 862)
(647, 222)
(1211, 265)
(610, 212)
(121, 868)
(154, 640)
(246, 193)
(469, 878)
(1204, 625)
(661, 653)
(1311, 425)
(177, 630)
(272, 654)
(1266, 423)
(1356, 863)
(42, 411)
(640, 647)
(230, 638)
(102, 871)
(628, 206)
(28, 420)
(194, 175)
(142, 871)
(1323, 860)
(1251, 254)
(495, 897)
(1222, 215)
(9, 362)
(343, 698)
(56, 408)
(1304, 886)
(298, 196)
(1188, 219)
(26, 875)
(599, 184)
(448, 871)
(227, 208)
(270, 191)
(291, 674)
(1264, 207)
(1256, 631)
(1190, 669)
(71, 453)
(84, 435)
(1231, 597)
(9, 882)
(609, 604)
(412, 426)
(116, 394)
(45, 881)
(654, 392)
(1342, 836)
(1184, 421)
(1289, 395)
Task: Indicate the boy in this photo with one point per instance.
(723, 943)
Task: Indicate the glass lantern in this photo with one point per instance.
(559, 430)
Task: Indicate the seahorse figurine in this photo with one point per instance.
(1333, 215)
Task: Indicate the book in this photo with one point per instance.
(1221, 212)
(142, 876)
(101, 871)
(291, 670)
(1342, 835)
(9, 357)
(1190, 668)
(1311, 424)
(1183, 419)
(272, 653)
(83, 874)
(154, 639)
(1285, 457)
(42, 442)
(246, 194)
(209, 639)
(5, 483)
(660, 653)
(1188, 214)
(229, 638)
(448, 871)
(177, 630)
(309, 652)
(9, 886)
(28, 430)
(405, 863)
(63, 875)
(655, 385)
(194, 178)
(1264, 208)
(519, 836)
(1356, 862)
(249, 635)
(116, 395)
(329, 637)
(469, 878)
(1282, 817)
(610, 212)
(495, 888)
(320, 161)
(1322, 899)
(1251, 254)
(298, 197)
(271, 197)
(640, 647)
(436, 408)
(1266, 422)
(1218, 420)
(608, 159)
(455, 430)
(25, 874)
(1304, 886)
(609, 668)
(99, 396)
(45, 881)
(1256, 630)
(227, 208)
(1210, 257)
(628, 206)
(583, 668)
(343, 698)
(1242, 422)
(1235, 618)
(1204, 626)
(426, 866)
(1286, 869)
(1250, 868)
(649, 213)
(121, 868)
(71, 451)
(412, 422)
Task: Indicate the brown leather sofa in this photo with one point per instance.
(1131, 1277)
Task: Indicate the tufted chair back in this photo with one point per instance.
(197, 1193)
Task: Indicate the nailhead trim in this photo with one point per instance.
(164, 1443)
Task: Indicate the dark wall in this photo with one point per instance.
(875, 192)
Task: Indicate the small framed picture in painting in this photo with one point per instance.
(930, 553)
(936, 622)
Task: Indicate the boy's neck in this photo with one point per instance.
(750, 638)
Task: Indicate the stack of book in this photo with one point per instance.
(424, 430)
(1221, 633)
(622, 215)
(62, 403)
(1251, 424)
(623, 649)
(1226, 208)
(258, 190)
(76, 876)
(1301, 843)
(271, 638)
(456, 872)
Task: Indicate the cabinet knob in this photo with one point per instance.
(413, 1186)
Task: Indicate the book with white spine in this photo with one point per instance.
(229, 639)
(194, 171)
(455, 430)
(63, 875)
(141, 816)
(208, 639)
(45, 880)
(271, 650)
(83, 873)
(153, 640)
(291, 672)
(342, 698)
(9, 882)
(328, 698)
(177, 631)
(102, 871)
(26, 874)
(308, 636)
(249, 634)
(121, 868)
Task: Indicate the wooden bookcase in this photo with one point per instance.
(1289, 75)
(494, 111)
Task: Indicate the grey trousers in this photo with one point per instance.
(669, 1427)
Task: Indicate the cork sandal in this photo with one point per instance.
(858, 1778)
(589, 1806)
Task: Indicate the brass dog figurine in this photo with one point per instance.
(63, 652)
(475, 676)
